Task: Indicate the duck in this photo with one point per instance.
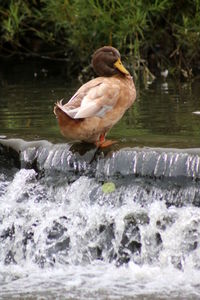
(99, 103)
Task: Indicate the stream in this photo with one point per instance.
(77, 222)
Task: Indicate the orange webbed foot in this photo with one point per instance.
(107, 143)
(102, 143)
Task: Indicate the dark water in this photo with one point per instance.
(161, 116)
(78, 223)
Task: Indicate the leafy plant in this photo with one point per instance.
(163, 33)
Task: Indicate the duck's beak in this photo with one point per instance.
(120, 67)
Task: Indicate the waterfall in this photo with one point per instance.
(61, 231)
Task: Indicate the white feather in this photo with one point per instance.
(96, 102)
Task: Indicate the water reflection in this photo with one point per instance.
(161, 116)
(164, 87)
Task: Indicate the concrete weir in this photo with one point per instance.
(86, 159)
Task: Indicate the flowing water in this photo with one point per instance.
(79, 223)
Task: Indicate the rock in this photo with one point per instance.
(130, 245)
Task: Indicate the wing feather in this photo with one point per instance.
(94, 98)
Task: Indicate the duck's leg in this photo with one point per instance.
(102, 143)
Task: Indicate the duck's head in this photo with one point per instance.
(106, 61)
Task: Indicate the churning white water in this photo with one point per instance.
(68, 239)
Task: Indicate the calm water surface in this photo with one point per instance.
(161, 116)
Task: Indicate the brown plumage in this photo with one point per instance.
(100, 103)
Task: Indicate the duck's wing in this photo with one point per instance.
(94, 98)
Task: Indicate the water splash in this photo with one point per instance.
(61, 234)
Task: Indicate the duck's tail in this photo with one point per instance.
(59, 107)
(70, 111)
(62, 115)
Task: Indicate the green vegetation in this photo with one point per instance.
(158, 34)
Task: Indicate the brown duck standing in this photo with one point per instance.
(100, 103)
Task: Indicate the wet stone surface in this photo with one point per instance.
(88, 160)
